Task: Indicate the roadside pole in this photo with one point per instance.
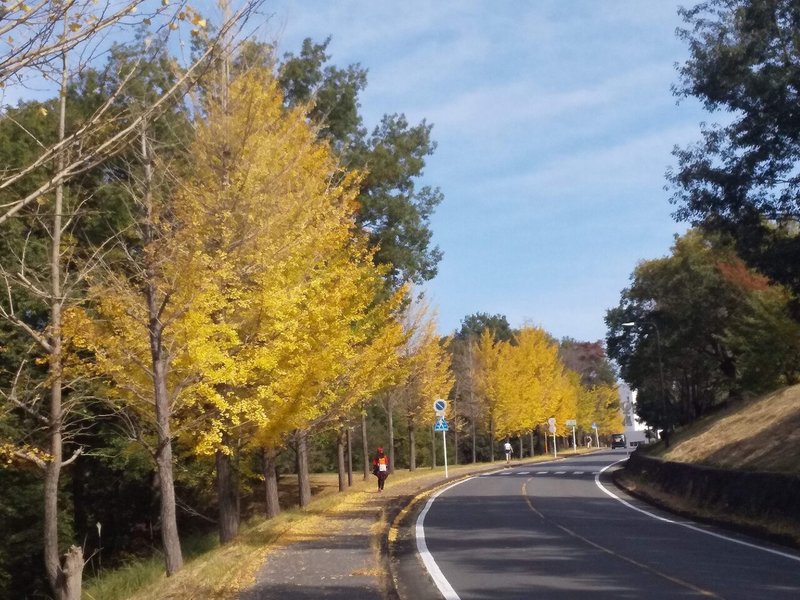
(439, 406)
(433, 448)
(444, 443)
(596, 439)
(572, 423)
(551, 426)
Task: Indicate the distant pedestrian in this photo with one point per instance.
(380, 468)
(508, 449)
(588, 441)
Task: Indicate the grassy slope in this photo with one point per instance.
(760, 435)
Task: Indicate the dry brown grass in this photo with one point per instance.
(760, 435)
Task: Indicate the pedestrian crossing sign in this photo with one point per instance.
(440, 425)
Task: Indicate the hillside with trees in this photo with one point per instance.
(716, 322)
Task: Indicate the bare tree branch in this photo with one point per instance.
(91, 158)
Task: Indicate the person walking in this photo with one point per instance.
(508, 449)
(380, 468)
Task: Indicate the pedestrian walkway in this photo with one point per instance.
(337, 562)
(342, 559)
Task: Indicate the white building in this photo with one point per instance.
(634, 430)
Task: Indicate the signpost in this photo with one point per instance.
(439, 406)
(551, 427)
(572, 423)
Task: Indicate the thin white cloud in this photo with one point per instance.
(522, 102)
(555, 124)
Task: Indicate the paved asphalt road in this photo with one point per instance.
(549, 531)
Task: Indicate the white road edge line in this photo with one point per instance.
(683, 524)
(436, 574)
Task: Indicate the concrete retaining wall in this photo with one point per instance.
(748, 493)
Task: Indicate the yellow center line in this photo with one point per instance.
(636, 563)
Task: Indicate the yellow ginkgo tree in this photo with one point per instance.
(524, 383)
(208, 325)
(314, 333)
(428, 372)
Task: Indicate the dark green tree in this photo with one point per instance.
(334, 92)
(394, 211)
(743, 177)
(693, 315)
(472, 326)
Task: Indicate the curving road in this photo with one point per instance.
(557, 531)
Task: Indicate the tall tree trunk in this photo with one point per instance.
(65, 578)
(521, 447)
(227, 481)
(532, 444)
(227, 496)
(491, 439)
(474, 427)
(349, 436)
(365, 444)
(390, 425)
(55, 574)
(412, 448)
(340, 466)
(270, 456)
(473, 416)
(303, 481)
(173, 557)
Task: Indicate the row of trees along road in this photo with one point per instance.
(206, 267)
(720, 314)
(509, 382)
(200, 259)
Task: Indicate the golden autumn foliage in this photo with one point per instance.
(600, 404)
(427, 365)
(269, 299)
(523, 383)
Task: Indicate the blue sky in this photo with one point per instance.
(555, 124)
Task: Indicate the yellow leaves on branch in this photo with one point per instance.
(310, 338)
(426, 364)
(272, 315)
(14, 454)
(523, 382)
